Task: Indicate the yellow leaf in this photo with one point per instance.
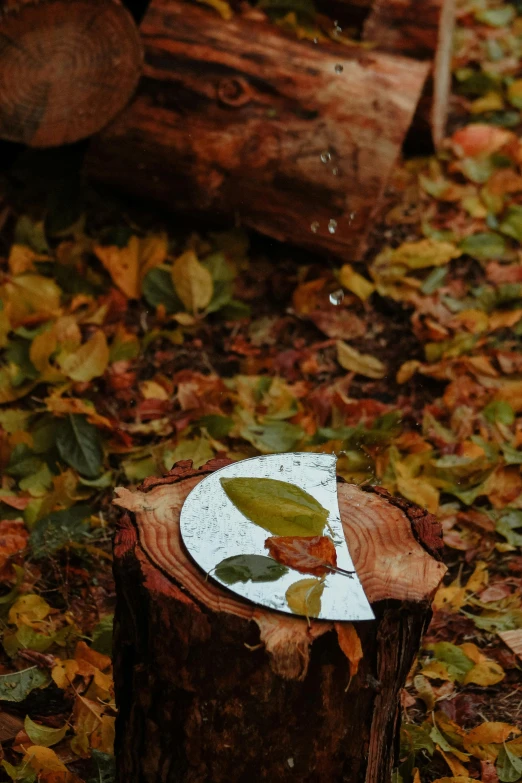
(43, 760)
(8, 392)
(456, 768)
(472, 652)
(486, 673)
(5, 327)
(491, 731)
(31, 298)
(425, 690)
(61, 406)
(128, 265)
(63, 673)
(350, 644)
(450, 598)
(479, 578)
(221, 6)
(419, 491)
(21, 259)
(151, 390)
(491, 101)
(43, 735)
(193, 283)
(89, 361)
(436, 670)
(123, 266)
(515, 93)
(304, 597)
(360, 363)
(407, 370)
(511, 391)
(355, 282)
(425, 253)
(30, 609)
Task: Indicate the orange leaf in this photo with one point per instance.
(304, 553)
(350, 644)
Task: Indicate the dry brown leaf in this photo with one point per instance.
(350, 644)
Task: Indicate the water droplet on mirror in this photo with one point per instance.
(336, 297)
(332, 226)
(314, 227)
(326, 156)
(338, 68)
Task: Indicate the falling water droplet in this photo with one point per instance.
(338, 68)
(314, 227)
(336, 297)
(326, 156)
(332, 226)
(351, 217)
(316, 40)
(335, 171)
(337, 29)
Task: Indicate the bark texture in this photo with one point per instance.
(211, 688)
(422, 29)
(236, 119)
(66, 68)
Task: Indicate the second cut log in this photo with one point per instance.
(236, 119)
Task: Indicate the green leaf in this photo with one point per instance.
(198, 450)
(217, 426)
(56, 530)
(158, 289)
(245, 568)
(415, 738)
(484, 246)
(102, 635)
(508, 522)
(273, 436)
(434, 280)
(26, 638)
(512, 456)
(509, 766)
(24, 773)
(499, 411)
(511, 224)
(31, 233)
(304, 597)
(104, 768)
(79, 445)
(43, 735)
(277, 506)
(17, 353)
(18, 685)
(457, 663)
(497, 17)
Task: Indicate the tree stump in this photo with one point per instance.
(236, 119)
(66, 68)
(213, 688)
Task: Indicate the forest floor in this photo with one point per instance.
(128, 343)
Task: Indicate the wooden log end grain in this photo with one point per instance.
(67, 67)
(212, 688)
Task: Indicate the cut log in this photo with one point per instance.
(236, 119)
(422, 29)
(66, 68)
(213, 688)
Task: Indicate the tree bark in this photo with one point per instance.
(212, 688)
(422, 29)
(66, 68)
(236, 119)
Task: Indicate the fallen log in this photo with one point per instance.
(422, 29)
(236, 119)
(66, 68)
(211, 687)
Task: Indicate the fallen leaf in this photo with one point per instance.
(277, 506)
(304, 597)
(29, 610)
(303, 553)
(192, 281)
(359, 363)
(350, 644)
(248, 568)
(89, 361)
(43, 735)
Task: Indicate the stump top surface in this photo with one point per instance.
(213, 529)
(66, 68)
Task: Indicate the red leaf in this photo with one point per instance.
(306, 554)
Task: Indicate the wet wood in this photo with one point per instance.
(211, 687)
(422, 29)
(66, 68)
(237, 120)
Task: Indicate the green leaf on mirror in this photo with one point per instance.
(249, 568)
(277, 506)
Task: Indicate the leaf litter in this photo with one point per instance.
(125, 347)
